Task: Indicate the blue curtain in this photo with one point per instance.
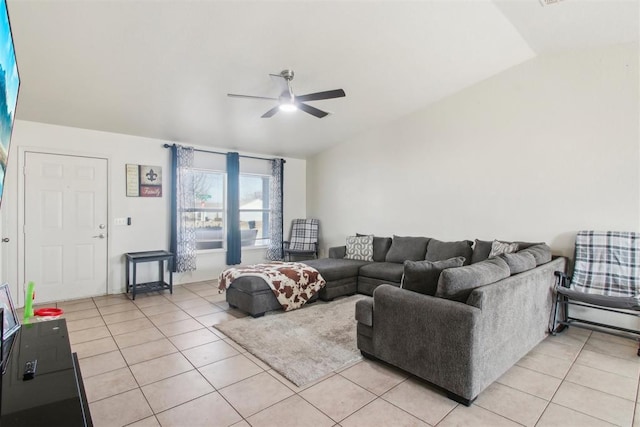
(276, 226)
(234, 251)
(183, 240)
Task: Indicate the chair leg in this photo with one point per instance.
(554, 326)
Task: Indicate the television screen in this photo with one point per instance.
(9, 85)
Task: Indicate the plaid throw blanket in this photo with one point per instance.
(292, 283)
(304, 234)
(607, 263)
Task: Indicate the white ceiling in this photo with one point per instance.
(162, 69)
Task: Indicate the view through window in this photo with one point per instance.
(209, 210)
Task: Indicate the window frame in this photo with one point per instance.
(265, 241)
(222, 210)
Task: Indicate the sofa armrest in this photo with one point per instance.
(433, 338)
(364, 311)
(337, 252)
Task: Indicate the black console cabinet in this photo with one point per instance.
(55, 395)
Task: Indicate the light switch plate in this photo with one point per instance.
(120, 221)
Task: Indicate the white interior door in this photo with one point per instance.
(65, 226)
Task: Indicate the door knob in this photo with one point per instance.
(99, 236)
(5, 240)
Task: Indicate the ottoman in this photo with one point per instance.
(254, 296)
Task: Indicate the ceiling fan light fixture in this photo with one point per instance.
(288, 107)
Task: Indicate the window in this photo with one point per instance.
(254, 209)
(209, 210)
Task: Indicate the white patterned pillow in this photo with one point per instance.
(498, 248)
(360, 248)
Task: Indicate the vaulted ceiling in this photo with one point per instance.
(162, 69)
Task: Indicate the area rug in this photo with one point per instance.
(302, 345)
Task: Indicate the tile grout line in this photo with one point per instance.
(563, 378)
(574, 362)
(215, 390)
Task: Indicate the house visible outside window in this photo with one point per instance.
(208, 212)
(254, 209)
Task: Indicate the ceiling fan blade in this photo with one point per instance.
(311, 110)
(271, 112)
(337, 93)
(233, 95)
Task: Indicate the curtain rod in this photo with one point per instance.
(224, 154)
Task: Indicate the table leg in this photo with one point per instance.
(133, 286)
(170, 265)
(128, 281)
(161, 271)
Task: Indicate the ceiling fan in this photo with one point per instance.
(287, 101)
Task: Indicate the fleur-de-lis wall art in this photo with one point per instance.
(144, 181)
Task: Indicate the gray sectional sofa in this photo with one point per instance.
(461, 318)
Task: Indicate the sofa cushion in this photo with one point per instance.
(360, 248)
(525, 245)
(498, 247)
(387, 271)
(381, 246)
(519, 262)
(335, 269)
(407, 248)
(422, 276)
(458, 283)
(440, 251)
(541, 252)
(337, 252)
(481, 250)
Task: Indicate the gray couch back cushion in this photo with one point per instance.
(386, 271)
(541, 252)
(381, 246)
(482, 249)
(439, 251)
(422, 276)
(407, 248)
(519, 261)
(458, 283)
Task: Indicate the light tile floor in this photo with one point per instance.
(159, 361)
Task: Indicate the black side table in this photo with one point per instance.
(133, 258)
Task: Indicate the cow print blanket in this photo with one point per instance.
(293, 283)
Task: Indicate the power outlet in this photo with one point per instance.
(120, 221)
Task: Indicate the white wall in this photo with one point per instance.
(535, 153)
(150, 216)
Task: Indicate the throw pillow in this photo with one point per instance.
(381, 246)
(541, 252)
(498, 247)
(438, 251)
(407, 248)
(458, 283)
(422, 276)
(519, 261)
(360, 248)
